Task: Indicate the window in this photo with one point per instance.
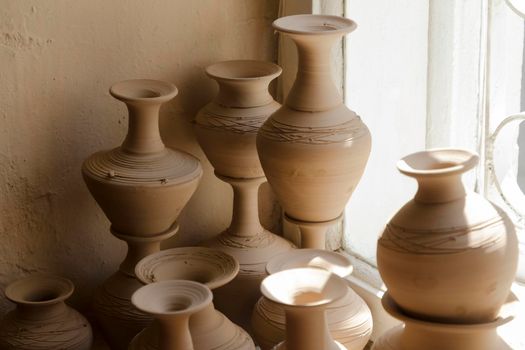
(446, 74)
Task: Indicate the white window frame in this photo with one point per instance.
(465, 71)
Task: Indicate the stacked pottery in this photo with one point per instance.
(448, 258)
(304, 293)
(349, 319)
(314, 149)
(209, 328)
(141, 186)
(42, 320)
(226, 129)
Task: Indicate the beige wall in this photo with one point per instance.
(57, 60)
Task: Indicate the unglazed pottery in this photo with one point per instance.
(141, 186)
(226, 129)
(314, 149)
(419, 334)
(349, 318)
(448, 255)
(171, 303)
(305, 293)
(41, 319)
(210, 329)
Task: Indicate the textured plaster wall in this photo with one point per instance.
(57, 60)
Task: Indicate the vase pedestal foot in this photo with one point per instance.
(119, 320)
(417, 334)
(313, 234)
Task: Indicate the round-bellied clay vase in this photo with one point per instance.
(314, 149)
(172, 304)
(349, 318)
(41, 319)
(226, 129)
(141, 186)
(448, 255)
(210, 329)
(305, 293)
(416, 334)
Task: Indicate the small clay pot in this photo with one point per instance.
(42, 320)
(448, 255)
(210, 329)
(304, 293)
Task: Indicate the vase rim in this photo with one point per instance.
(143, 90)
(174, 297)
(304, 287)
(395, 311)
(216, 269)
(437, 162)
(315, 258)
(39, 290)
(243, 70)
(314, 25)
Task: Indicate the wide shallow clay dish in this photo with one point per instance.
(41, 319)
(305, 293)
(448, 255)
(210, 329)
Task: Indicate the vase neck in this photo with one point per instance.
(143, 135)
(245, 217)
(35, 312)
(306, 329)
(439, 189)
(314, 88)
(174, 332)
(206, 318)
(243, 93)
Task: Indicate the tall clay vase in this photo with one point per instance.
(305, 293)
(314, 149)
(210, 329)
(172, 303)
(448, 255)
(42, 320)
(226, 129)
(141, 186)
(349, 319)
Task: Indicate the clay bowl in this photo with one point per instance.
(200, 264)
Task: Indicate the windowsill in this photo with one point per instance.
(366, 282)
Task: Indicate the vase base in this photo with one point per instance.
(418, 334)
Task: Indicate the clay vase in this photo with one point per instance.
(305, 293)
(314, 149)
(210, 329)
(349, 319)
(172, 304)
(226, 129)
(420, 334)
(448, 255)
(41, 319)
(141, 186)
